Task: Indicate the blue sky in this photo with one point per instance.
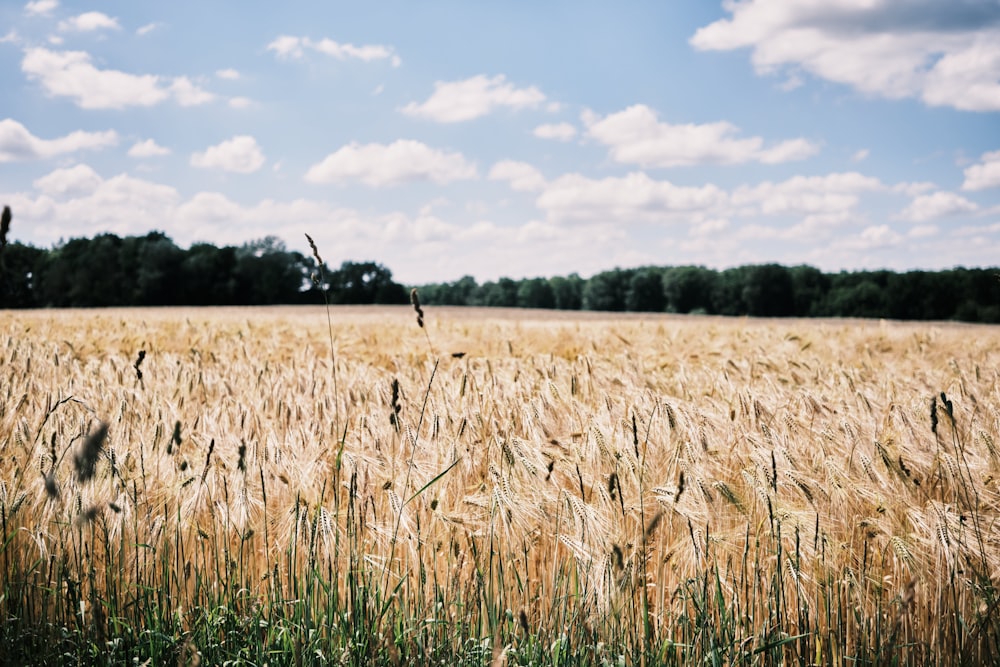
(518, 138)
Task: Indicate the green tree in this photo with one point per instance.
(207, 275)
(645, 291)
(809, 289)
(768, 291)
(365, 283)
(535, 293)
(462, 292)
(689, 288)
(19, 265)
(858, 298)
(158, 278)
(728, 293)
(568, 291)
(607, 290)
(499, 294)
(266, 272)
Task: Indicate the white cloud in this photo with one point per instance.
(977, 230)
(41, 7)
(833, 196)
(860, 155)
(240, 155)
(937, 205)
(914, 188)
(229, 74)
(147, 148)
(79, 200)
(522, 176)
(878, 236)
(240, 102)
(984, 175)
(789, 150)
(399, 162)
(631, 198)
(710, 227)
(146, 29)
(88, 22)
(944, 54)
(923, 231)
(418, 247)
(290, 47)
(188, 94)
(74, 181)
(815, 205)
(367, 52)
(17, 143)
(286, 46)
(636, 136)
(557, 131)
(457, 101)
(72, 74)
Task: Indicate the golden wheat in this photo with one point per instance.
(562, 439)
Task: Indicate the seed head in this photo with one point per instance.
(85, 459)
(415, 300)
(138, 362)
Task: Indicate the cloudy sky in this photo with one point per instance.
(513, 138)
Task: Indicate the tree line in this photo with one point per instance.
(766, 290)
(151, 270)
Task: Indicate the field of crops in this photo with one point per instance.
(254, 486)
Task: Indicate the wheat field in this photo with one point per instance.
(497, 487)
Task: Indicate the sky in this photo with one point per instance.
(519, 138)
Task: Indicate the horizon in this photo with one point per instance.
(360, 260)
(513, 141)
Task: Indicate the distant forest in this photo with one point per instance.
(151, 270)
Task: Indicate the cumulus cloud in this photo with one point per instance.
(146, 29)
(923, 231)
(878, 236)
(522, 176)
(72, 74)
(188, 94)
(399, 162)
(229, 73)
(637, 136)
(811, 207)
(292, 48)
(41, 7)
(985, 174)
(632, 198)
(240, 102)
(88, 22)
(240, 155)
(937, 205)
(73, 181)
(80, 200)
(943, 53)
(147, 148)
(557, 131)
(17, 143)
(833, 196)
(420, 245)
(457, 101)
